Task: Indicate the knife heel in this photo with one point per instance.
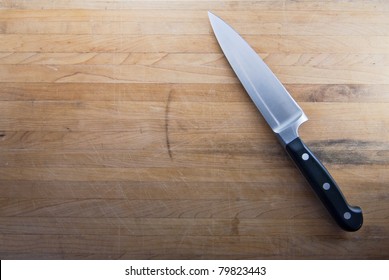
(348, 217)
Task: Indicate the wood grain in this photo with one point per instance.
(124, 134)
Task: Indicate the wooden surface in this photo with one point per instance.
(124, 134)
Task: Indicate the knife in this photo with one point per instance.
(284, 116)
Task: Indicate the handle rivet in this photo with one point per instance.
(305, 156)
(326, 186)
(347, 215)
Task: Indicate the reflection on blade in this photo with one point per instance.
(271, 98)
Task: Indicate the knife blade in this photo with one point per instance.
(284, 117)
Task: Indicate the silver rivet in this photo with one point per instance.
(347, 215)
(305, 156)
(326, 186)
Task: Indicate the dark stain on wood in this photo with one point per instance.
(354, 152)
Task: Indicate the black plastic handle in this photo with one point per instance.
(348, 217)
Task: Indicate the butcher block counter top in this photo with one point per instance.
(124, 133)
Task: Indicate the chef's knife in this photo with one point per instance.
(284, 116)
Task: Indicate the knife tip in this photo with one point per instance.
(211, 15)
(214, 19)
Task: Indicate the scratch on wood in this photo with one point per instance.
(167, 109)
(235, 226)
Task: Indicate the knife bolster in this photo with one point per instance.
(289, 132)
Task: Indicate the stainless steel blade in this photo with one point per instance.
(278, 108)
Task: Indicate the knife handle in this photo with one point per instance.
(348, 217)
